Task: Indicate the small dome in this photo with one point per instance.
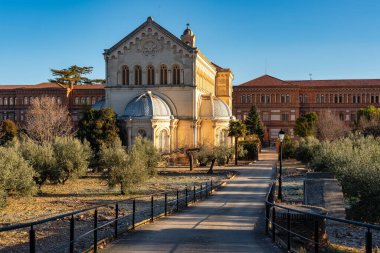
(147, 106)
(101, 104)
(214, 108)
(188, 31)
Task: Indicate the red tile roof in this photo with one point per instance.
(50, 85)
(266, 80)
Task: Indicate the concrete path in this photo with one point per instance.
(231, 220)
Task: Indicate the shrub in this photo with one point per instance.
(203, 155)
(72, 158)
(41, 158)
(16, 175)
(252, 151)
(306, 149)
(223, 154)
(289, 147)
(8, 131)
(148, 153)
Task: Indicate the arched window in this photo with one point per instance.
(150, 75)
(164, 75)
(141, 132)
(88, 100)
(1, 103)
(30, 100)
(138, 75)
(83, 100)
(125, 75)
(176, 75)
(76, 101)
(5, 101)
(341, 116)
(93, 100)
(163, 142)
(223, 137)
(10, 101)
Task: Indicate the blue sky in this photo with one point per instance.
(332, 39)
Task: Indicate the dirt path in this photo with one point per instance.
(232, 220)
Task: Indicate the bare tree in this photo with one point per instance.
(330, 127)
(46, 119)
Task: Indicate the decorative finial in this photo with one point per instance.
(187, 24)
(149, 19)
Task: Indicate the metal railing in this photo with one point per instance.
(274, 228)
(160, 205)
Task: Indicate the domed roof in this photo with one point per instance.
(101, 104)
(214, 108)
(188, 31)
(147, 106)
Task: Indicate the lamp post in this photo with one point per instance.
(281, 136)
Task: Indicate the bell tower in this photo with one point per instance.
(188, 36)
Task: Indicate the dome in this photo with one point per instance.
(214, 108)
(188, 32)
(101, 104)
(147, 106)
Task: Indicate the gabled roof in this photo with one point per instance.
(155, 25)
(266, 80)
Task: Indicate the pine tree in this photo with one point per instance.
(253, 123)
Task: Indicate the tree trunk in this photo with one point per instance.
(122, 189)
(236, 150)
(211, 171)
(190, 156)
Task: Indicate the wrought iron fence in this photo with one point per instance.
(102, 222)
(280, 225)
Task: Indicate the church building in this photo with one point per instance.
(162, 87)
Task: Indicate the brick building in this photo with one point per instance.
(15, 99)
(281, 102)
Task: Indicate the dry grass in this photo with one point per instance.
(89, 191)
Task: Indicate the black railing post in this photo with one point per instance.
(177, 201)
(288, 230)
(194, 198)
(316, 236)
(133, 213)
(368, 241)
(95, 230)
(32, 240)
(211, 187)
(186, 197)
(201, 192)
(151, 209)
(273, 224)
(72, 234)
(267, 210)
(166, 204)
(116, 218)
(206, 190)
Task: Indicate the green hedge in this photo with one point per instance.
(252, 150)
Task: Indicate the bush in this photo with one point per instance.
(41, 158)
(72, 158)
(306, 149)
(289, 147)
(355, 161)
(148, 153)
(16, 175)
(203, 155)
(223, 154)
(8, 131)
(251, 148)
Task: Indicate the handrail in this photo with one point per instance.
(270, 207)
(352, 222)
(179, 200)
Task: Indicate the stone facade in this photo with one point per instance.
(281, 102)
(151, 65)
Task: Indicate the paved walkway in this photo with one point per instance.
(231, 220)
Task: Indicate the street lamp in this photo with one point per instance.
(281, 136)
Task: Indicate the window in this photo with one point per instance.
(301, 99)
(265, 116)
(141, 132)
(150, 75)
(138, 75)
(285, 116)
(265, 99)
(176, 75)
(125, 75)
(82, 100)
(341, 116)
(76, 101)
(1, 101)
(15, 101)
(340, 99)
(88, 101)
(10, 101)
(223, 137)
(5, 101)
(353, 117)
(318, 99)
(322, 99)
(163, 141)
(243, 99)
(336, 99)
(93, 100)
(164, 75)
